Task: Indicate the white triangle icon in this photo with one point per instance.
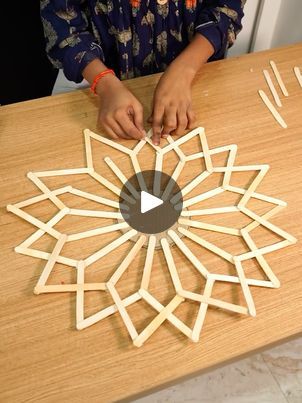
(149, 202)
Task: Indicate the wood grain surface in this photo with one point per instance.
(43, 357)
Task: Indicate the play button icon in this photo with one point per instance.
(145, 202)
(149, 202)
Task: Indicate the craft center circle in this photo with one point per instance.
(151, 202)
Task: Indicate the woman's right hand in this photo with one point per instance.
(120, 113)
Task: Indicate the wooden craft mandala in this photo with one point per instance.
(170, 240)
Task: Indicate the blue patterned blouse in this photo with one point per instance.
(134, 37)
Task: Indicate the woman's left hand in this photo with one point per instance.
(172, 104)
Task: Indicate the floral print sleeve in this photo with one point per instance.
(134, 37)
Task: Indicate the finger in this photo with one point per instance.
(138, 118)
(182, 122)
(191, 119)
(127, 125)
(150, 119)
(116, 128)
(170, 121)
(158, 115)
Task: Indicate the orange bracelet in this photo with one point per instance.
(98, 77)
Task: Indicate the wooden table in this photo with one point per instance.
(43, 357)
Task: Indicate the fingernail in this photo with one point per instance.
(164, 136)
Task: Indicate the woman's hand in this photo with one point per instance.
(120, 113)
(172, 104)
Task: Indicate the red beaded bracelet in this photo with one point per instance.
(98, 77)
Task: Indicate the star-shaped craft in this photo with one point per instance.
(173, 240)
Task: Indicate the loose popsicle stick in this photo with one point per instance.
(97, 231)
(210, 211)
(173, 179)
(128, 260)
(138, 172)
(206, 153)
(95, 213)
(269, 214)
(27, 217)
(260, 259)
(272, 88)
(182, 140)
(209, 227)
(41, 197)
(188, 254)
(39, 233)
(98, 199)
(61, 172)
(110, 247)
(202, 197)
(157, 174)
(119, 174)
(206, 244)
(278, 78)
(88, 150)
(51, 261)
(213, 301)
(56, 201)
(298, 75)
(235, 279)
(45, 256)
(245, 288)
(190, 186)
(80, 292)
(247, 195)
(258, 196)
(110, 310)
(177, 150)
(122, 310)
(108, 142)
(272, 109)
(52, 288)
(268, 225)
(202, 311)
(230, 164)
(171, 317)
(171, 264)
(148, 262)
(157, 321)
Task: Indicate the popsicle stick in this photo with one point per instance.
(88, 151)
(269, 214)
(157, 321)
(124, 314)
(157, 174)
(182, 140)
(235, 279)
(272, 109)
(260, 259)
(188, 254)
(230, 164)
(209, 227)
(43, 196)
(61, 172)
(148, 262)
(108, 142)
(202, 197)
(171, 317)
(122, 178)
(272, 88)
(212, 151)
(110, 310)
(263, 251)
(56, 201)
(171, 264)
(208, 245)
(278, 78)
(128, 260)
(268, 225)
(110, 247)
(258, 196)
(245, 288)
(210, 211)
(247, 195)
(202, 311)
(206, 153)
(52, 288)
(95, 213)
(177, 150)
(242, 168)
(138, 147)
(27, 217)
(298, 75)
(92, 197)
(51, 261)
(190, 186)
(45, 256)
(97, 231)
(149, 141)
(80, 292)
(138, 172)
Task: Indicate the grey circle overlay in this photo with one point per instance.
(160, 218)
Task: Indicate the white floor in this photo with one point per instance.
(274, 376)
